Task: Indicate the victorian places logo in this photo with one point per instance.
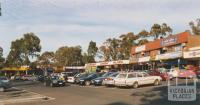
(182, 92)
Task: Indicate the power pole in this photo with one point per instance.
(0, 9)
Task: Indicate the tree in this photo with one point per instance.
(22, 49)
(69, 56)
(1, 58)
(127, 41)
(143, 37)
(91, 52)
(46, 58)
(143, 34)
(158, 30)
(195, 26)
(143, 41)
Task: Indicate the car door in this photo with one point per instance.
(148, 79)
(144, 78)
(121, 78)
(141, 80)
(131, 78)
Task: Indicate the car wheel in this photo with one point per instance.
(87, 83)
(45, 83)
(51, 84)
(135, 85)
(2, 89)
(156, 82)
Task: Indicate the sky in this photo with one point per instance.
(76, 22)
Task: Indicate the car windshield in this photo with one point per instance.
(55, 77)
(106, 74)
(83, 75)
(122, 76)
(114, 75)
(3, 78)
(91, 75)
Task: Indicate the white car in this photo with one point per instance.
(109, 81)
(135, 79)
(173, 73)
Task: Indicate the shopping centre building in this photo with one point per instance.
(177, 50)
(173, 51)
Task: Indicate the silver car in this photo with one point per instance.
(4, 83)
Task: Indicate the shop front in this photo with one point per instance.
(193, 57)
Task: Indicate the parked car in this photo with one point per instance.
(54, 81)
(187, 74)
(163, 74)
(99, 80)
(70, 77)
(16, 77)
(173, 73)
(41, 78)
(88, 80)
(4, 83)
(135, 79)
(109, 81)
(197, 72)
(29, 78)
(79, 76)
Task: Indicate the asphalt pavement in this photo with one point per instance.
(99, 95)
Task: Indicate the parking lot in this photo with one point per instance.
(72, 94)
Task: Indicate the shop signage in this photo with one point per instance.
(169, 41)
(104, 63)
(120, 62)
(191, 54)
(144, 59)
(140, 48)
(133, 60)
(171, 55)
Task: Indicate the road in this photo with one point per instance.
(100, 95)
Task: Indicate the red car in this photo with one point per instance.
(187, 74)
(163, 75)
(197, 72)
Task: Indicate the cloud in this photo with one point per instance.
(76, 22)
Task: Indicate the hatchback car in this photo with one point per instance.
(54, 81)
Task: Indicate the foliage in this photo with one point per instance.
(91, 53)
(1, 58)
(69, 56)
(46, 58)
(195, 26)
(22, 49)
(158, 30)
(116, 49)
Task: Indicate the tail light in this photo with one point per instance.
(108, 79)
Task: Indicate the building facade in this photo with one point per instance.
(172, 51)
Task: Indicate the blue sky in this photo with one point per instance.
(76, 22)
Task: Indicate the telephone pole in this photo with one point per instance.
(0, 9)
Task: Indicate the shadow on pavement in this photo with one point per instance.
(118, 103)
(159, 96)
